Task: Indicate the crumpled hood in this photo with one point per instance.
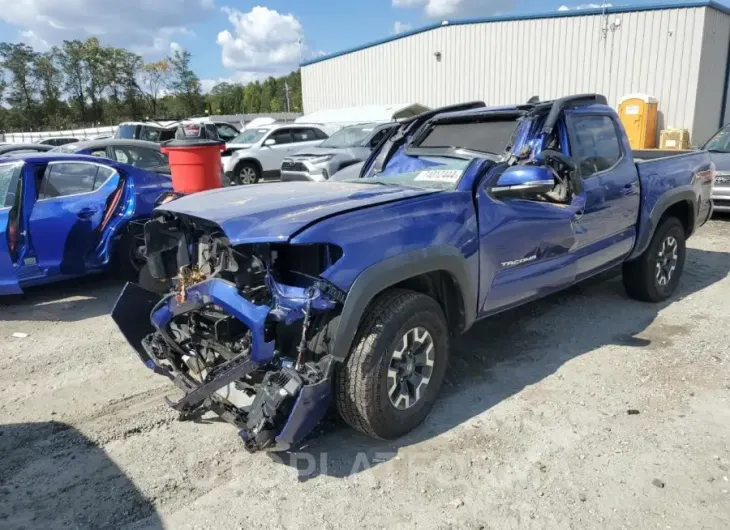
(277, 211)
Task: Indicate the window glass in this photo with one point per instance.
(150, 134)
(9, 174)
(147, 158)
(720, 143)
(321, 135)
(596, 146)
(126, 131)
(303, 135)
(377, 138)
(102, 175)
(349, 136)
(65, 179)
(226, 132)
(282, 136)
(250, 136)
(122, 155)
(99, 152)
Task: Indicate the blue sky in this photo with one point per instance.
(243, 40)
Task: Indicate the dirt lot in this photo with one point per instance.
(533, 429)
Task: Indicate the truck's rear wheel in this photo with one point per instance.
(654, 276)
(393, 375)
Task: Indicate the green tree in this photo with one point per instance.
(184, 83)
(50, 80)
(71, 58)
(155, 77)
(18, 59)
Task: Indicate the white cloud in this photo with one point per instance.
(263, 42)
(143, 26)
(30, 38)
(583, 6)
(400, 27)
(449, 8)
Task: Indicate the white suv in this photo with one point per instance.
(257, 153)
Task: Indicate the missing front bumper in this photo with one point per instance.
(288, 403)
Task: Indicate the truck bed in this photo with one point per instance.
(642, 155)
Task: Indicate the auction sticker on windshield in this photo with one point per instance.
(450, 176)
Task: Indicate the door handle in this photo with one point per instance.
(85, 213)
(577, 216)
(627, 190)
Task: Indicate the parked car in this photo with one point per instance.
(293, 295)
(58, 140)
(162, 132)
(137, 153)
(64, 216)
(257, 154)
(719, 148)
(226, 131)
(344, 148)
(15, 149)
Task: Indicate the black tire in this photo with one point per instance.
(643, 277)
(362, 383)
(130, 264)
(146, 281)
(247, 173)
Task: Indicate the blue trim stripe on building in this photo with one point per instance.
(513, 18)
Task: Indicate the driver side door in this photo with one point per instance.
(271, 156)
(527, 247)
(606, 227)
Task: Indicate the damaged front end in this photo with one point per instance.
(243, 330)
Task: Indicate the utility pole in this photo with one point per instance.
(286, 93)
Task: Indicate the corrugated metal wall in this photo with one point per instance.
(712, 81)
(655, 52)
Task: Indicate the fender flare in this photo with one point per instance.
(666, 201)
(391, 271)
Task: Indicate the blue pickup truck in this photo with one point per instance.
(287, 297)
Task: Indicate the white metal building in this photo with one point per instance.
(678, 53)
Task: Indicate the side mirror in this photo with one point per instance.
(523, 181)
(269, 142)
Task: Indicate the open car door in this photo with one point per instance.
(9, 217)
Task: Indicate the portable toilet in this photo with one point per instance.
(639, 114)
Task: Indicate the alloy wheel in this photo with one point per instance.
(247, 175)
(667, 259)
(410, 368)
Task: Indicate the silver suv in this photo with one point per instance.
(344, 148)
(257, 153)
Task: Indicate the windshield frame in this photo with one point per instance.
(413, 147)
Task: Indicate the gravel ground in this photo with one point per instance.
(585, 410)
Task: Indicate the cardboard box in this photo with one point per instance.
(674, 139)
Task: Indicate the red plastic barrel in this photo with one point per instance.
(195, 163)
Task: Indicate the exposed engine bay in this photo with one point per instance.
(242, 331)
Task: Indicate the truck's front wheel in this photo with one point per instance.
(393, 375)
(654, 276)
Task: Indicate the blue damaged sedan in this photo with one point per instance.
(64, 216)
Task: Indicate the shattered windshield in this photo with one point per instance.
(349, 137)
(436, 172)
